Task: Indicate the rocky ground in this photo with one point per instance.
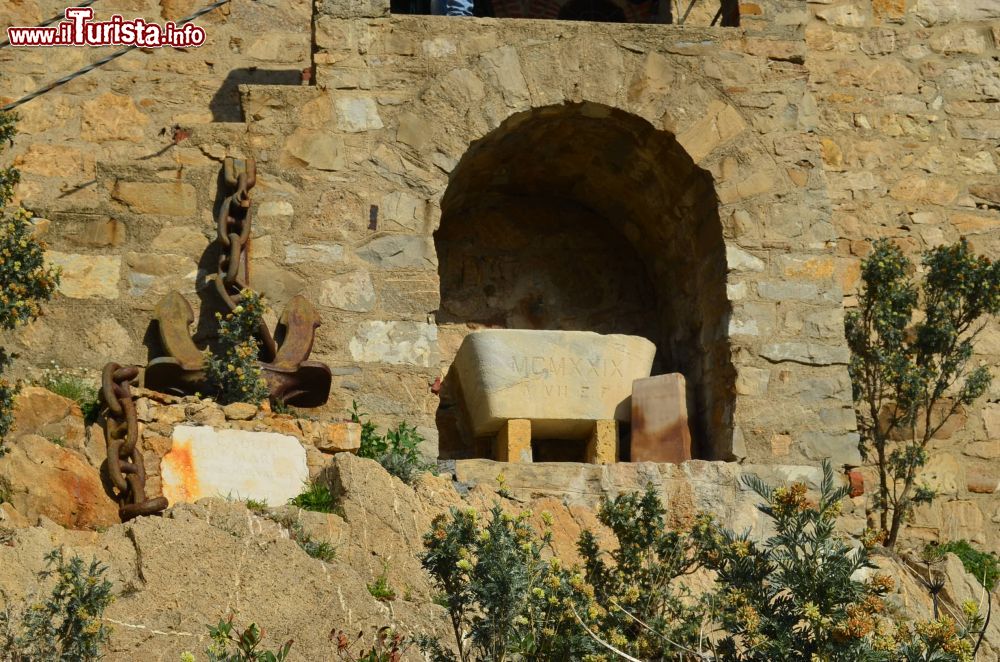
(175, 574)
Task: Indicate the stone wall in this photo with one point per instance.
(398, 103)
(906, 99)
(795, 138)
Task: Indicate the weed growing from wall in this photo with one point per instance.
(387, 646)
(231, 645)
(397, 451)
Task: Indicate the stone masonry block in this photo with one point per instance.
(513, 442)
(660, 431)
(352, 8)
(602, 448)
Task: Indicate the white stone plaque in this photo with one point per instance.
(205, 462)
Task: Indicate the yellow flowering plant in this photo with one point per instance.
(806, 593)
(25, 281)
(233, 369)
(505, 600)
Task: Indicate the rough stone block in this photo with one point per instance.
(316, 149)
(513, 441)
(660, 431)
(343, 437)
(353, 8)
(981, 480)
(357, 114)
(240, 411)
(602, 448)
(856, 479)
(352, 291)
(158, 198)
(205, 462)
(112, 117)
(840, 448)
(562, 381)
(398, 343)
(87, 276)
(43, 479)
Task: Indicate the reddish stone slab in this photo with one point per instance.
(660, 431)
(857, 483)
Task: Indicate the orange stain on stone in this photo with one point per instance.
(180, 462)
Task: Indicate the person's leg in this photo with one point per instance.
(458, 7)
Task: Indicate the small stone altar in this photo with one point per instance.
(550, 385)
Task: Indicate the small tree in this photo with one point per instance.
(505, 601)
(25, 281)
(911, 347)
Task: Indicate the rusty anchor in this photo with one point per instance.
(284, 355)
(291, 377)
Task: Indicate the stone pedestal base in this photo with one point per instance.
(513, 442)
(602, 448)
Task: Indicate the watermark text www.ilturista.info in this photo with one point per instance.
(79, 29)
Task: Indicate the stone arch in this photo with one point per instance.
(581, 216)
(774, 213)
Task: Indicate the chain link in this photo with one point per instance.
(126, 468)
(233, 226)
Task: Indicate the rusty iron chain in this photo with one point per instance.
(233, 226)
(126, 468)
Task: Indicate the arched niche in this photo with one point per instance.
(580, 216)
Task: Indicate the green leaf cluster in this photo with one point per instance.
(398, 450)
(231, 645)
(984, 566)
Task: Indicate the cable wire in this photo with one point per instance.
(100, 63)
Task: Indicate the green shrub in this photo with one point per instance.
(792, 597)
(233, 371)
(505, 601)
(25, 281)
(73, 387)
(255, 506)
(646, 614)
(8, 391)
(984, 566)
(246, 646)
(316, 497)
(380, 589)
(397, 451)
(67, 625)
(321, 550)
(911, 345)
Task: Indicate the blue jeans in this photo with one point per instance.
(458, 7)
